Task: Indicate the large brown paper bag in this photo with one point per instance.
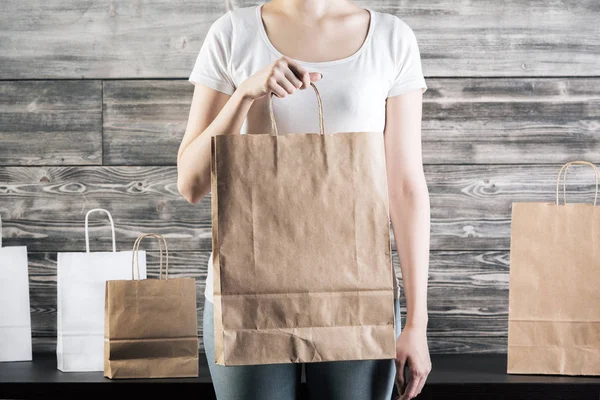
(301, 246)
(554, 290)
(151, 325)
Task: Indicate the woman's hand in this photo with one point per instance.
(412, 349)
(282, 77)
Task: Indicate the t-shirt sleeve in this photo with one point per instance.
(409, 75)
(212, 66)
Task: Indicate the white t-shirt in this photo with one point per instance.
(353, 89)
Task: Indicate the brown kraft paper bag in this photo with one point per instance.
(301, 247)
(554, 289)
(150, 328)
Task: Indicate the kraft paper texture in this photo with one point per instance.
(151, 328)
(554, 293)
(302, 252)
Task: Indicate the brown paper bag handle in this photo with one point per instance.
(320, 103)
(134, 255)
(565, 167)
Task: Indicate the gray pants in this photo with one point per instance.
(343, 380)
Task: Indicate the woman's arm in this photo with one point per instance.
(410, 216)
(409, 200)
(211, 113)
(216, 113)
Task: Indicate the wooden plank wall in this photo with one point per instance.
(94, 99)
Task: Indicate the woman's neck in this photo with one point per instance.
(311, 9)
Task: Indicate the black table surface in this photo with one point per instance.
(451, 373)
(447, 369)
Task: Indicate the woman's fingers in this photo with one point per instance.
(411, 388)
(314, 76)
(287, 76)
(421, 385)
(280, 68)
(400, 383)
(424, 376)
(286, 84)
(417, 377)
(299, 72)
(275, 87)
(291, 77)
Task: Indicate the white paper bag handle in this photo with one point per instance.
(112, 226)
(565, 167)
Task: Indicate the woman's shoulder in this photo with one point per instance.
(238, 18)
(388, 23)
(243, 12)
(242, 16)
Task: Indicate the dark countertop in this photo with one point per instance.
(453, 375)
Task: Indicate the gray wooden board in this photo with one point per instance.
(465, 121)
(161, 39)
(50, 122)
(88, 40)
(476, 121)
(502, 38)
(144, 121)
(44, 207)
(511, 121)
(467, 297)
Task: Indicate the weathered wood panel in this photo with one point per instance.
(144, 121)
(467, 301)
(475, 121)
(50, 122)
(502, 38)
(161, 39)
(44, 207)
(511, 121)
(88, 39)
(467, 298)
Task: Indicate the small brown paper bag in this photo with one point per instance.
(301, 247)
(554, 289)
(150, 328)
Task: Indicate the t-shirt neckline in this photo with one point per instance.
(267, 41)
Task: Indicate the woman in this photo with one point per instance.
(368, 69)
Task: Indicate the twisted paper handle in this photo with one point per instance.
(134, 255)
(320, 103)
(565, 167)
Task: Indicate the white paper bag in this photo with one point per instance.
(81, 280)
(15, 319)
